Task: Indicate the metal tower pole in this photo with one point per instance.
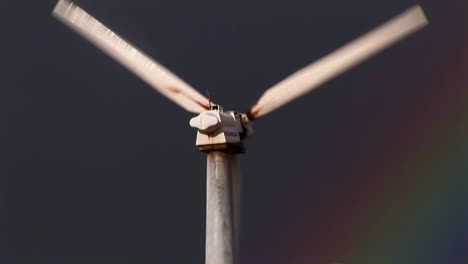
(236, 180)
(222, 208)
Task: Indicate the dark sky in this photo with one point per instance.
(98, 167)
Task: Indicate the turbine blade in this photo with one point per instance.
(158, 77)
(328, 67)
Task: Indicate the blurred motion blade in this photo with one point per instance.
(328, 67)
(133, 59)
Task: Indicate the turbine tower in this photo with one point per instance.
(221, 133)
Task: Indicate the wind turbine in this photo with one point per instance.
(221, 133)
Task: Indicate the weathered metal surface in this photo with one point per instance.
(220, 238)
(236, 183)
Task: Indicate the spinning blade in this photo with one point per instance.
(328, 67)
(136, 61)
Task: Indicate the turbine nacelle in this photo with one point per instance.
(221, 130)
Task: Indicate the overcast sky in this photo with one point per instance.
(98, 167)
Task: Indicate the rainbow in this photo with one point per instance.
(402, 193)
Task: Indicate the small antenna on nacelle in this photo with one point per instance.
(209, 98)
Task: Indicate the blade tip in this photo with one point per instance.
(421, 13)
(60, 6)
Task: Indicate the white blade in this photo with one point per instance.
(328, 67)
(136, 61)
